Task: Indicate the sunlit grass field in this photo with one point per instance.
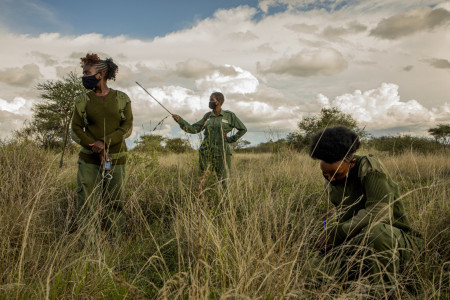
(193, 240)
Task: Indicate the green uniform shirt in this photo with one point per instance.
(104, 123)
(214, 129)
(369, 195)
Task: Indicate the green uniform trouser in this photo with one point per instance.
(100, 198)
(219, 164)
(381, 252)
(392, 249)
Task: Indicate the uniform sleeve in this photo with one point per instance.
(78, 130)
(241, 129)
(379, 196)
(194, 128)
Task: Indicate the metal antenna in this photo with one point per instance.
(154, 98)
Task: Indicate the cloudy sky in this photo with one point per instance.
(387, 63)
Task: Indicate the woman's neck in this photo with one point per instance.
(102, 89)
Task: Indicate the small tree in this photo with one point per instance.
(51, 117)
(177, 145)
(441, 134)
(328, 117)
(295, 140)
(149, 143)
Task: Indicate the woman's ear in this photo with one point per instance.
(102, 75)
(352, 162)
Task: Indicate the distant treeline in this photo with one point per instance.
(392, 144)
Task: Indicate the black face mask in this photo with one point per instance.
(212, 104)
(338, 182)
(90, 82)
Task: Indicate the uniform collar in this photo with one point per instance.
(214, 115)
(110, 94)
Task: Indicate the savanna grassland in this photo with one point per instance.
(193, 240)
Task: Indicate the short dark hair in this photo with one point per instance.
(219, 97)
(334, 144)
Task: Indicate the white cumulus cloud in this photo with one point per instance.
(13, 114)
(243, 82)
(18, 106)
(382, 108)
(310, 62)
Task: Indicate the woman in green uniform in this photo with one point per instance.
(215, 152)
(369, 211)
(101, 121)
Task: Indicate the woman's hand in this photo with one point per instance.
(323, 243)
(176, 118)
(98, 146)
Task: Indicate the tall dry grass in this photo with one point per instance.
(186, 239)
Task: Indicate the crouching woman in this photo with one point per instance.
(370, 213)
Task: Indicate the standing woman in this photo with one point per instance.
(101, 121)
(215, 152)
